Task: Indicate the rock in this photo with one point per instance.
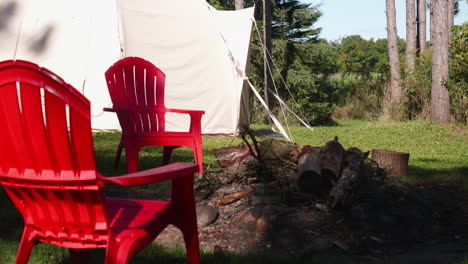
(236, 157)
(248, 218)
(206, 214)
(274, 150)
(261, 225)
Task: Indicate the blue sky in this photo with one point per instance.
(367, 18)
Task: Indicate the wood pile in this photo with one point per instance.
(328, 172)
(276, 197)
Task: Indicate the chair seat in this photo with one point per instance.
(136, 214)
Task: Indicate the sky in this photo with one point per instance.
(366, 18)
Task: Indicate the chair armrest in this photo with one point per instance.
(183, 111)
(163, 173)
(109, 109)
(195, 118)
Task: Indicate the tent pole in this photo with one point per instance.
(266, 58)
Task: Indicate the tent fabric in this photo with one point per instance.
(78, 40)
(202, 51)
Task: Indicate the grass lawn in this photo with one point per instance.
(438, 154)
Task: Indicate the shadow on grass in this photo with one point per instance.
(11, 226)
(49, 254)
(329, 123)
(454, 175)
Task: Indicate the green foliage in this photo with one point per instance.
(418, 88)
(360, 56)
(293, 20)
(348, 76)
(360, 96)
(300, 59)
(458, 71)
(354, 56)
(306, 77)
(222, 4)
(363, 70)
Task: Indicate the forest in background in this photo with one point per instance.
(350, 78)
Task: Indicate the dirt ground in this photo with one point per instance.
(398, 223)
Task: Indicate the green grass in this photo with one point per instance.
(437, 154)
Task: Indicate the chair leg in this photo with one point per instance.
(132, 159)
(190, 233)
(111, 255)
(182, 198)
(118, 154)
(119, 253)
(198, 153)
(167, 152)
(79, 255)
(26, 245)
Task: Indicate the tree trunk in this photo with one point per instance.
(394, 61)
(239, 4)
(440, 102)
(421, 25)
(395, 163)
(450, 14)
(410, 34)
(267, 63)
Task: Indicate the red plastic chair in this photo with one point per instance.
(136, 88)
(47, 168)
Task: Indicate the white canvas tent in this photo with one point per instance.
(202, 51)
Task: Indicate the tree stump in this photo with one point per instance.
(395, 163)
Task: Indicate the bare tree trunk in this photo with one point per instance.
(394, 61)
(410, 34)
(239, 4)
(267, 63)
(450, 14)
(422, 25)
(440, 102)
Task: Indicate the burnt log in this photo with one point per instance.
(229, 199)
(332, 158)
(353, 161)
(393, 162)
(349, 176)
(309, 177)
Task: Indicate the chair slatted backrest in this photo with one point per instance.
(137, 86)
(47, 162)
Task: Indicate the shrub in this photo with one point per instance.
(458, 80)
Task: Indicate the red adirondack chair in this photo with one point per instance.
(136, 88)
(47, 168)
